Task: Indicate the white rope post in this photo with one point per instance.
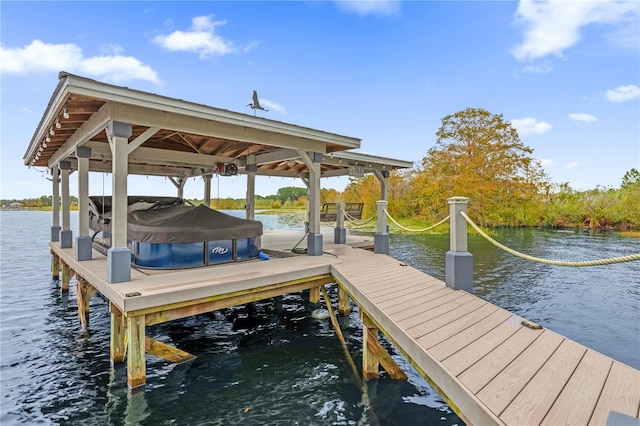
(381, 237)
(458, 261)
(340, 232)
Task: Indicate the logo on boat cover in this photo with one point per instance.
(219, 250)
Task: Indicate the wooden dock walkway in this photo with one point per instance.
(489, 367)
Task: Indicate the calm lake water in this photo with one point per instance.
(271, 363)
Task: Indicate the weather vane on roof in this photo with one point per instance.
(256, 104)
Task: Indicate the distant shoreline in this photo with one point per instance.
(622, 232)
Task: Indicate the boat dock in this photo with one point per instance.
(491, 366)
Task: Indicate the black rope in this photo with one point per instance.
(300, 251)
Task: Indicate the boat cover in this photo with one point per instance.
(168, 220)
(186, 224)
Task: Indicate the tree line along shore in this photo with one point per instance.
(478, 155)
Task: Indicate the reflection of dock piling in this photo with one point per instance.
(487, 366)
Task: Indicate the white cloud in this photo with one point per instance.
(43, 57)
(26, 110)
(552, 26)
(369, 7)
(571, 166)
(547, 163)
(200, 38)
(581, 116)
(118, 69)
(530, 126)
(111, 49)
(623, 93)
(543, 68)
(272, 106)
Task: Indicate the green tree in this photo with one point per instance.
(479, 155)
(630, 179)
(290, 193)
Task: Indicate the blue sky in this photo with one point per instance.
(566, 74)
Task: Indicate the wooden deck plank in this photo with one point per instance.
(412, 299)
(433, 323)
(377, 279)
(534, 401)
(476, 350)
(483, 371)
(621, 393)
(392, 282)
(371, 275)
(459, 341)
(423, 303)
(398, 281)
(363, 266)
(456, 326)
(389, 294)
(439, 306)
(579, 397)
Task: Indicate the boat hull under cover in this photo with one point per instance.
(166, 234)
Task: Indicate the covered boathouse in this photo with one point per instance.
(90, 126)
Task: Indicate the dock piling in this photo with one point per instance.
(370, 365)
(55, 266)
(84, 293)
(136, 362)
(458, 261)
(381, 237)
(118, 335)
(343, 301)
(67, 274)
(340, 232)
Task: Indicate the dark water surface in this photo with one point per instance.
(271, 363)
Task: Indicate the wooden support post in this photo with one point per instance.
(374, 354)
(118, 335)
(343, 301)
(314, 294)
(55, 266)
(385, 360)
(369, 360)
(136, 363)
(67, 274)
(84, 293)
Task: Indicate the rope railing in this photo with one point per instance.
(416, 230)
(358, 222)
(599, 262)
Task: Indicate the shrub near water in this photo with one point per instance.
(595, 208)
